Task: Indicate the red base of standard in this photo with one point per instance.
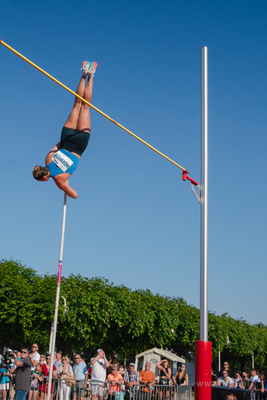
(203, 360)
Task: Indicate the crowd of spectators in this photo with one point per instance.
(256, 383)
(70, 377)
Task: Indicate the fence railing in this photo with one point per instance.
(67, 389)
(159, 392)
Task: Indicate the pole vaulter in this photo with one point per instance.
(85, 99)
(64, 157)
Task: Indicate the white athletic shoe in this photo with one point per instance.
(89, 68)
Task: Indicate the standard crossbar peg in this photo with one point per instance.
(186, 177)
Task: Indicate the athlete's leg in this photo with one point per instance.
(72, 120)
(84, 120)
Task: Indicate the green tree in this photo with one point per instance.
(101, 314)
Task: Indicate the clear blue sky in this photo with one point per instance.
(136, 222)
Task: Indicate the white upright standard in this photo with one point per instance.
(203, 351)
(204, 198)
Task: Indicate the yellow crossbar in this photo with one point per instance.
(91, 105)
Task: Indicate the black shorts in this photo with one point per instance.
(74, 141)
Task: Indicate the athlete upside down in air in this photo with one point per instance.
(64, 157)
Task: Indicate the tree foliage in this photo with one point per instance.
(101, 314)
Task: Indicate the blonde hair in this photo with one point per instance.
(231, 394)
(39, 172)
(184, 373)
(38, 365)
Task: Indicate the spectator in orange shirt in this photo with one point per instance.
(147, 378)
(115, 380)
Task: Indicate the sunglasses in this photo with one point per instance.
(22, 351)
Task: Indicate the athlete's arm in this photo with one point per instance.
(64, 185)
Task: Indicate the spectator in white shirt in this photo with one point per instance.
(254, 378)
(99, 365)
(225, 380)
(34, 356)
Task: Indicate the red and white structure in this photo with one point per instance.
(203, 350)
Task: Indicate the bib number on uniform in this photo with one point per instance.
(62, 161)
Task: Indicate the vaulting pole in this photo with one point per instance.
(203, 352)
(54, 332)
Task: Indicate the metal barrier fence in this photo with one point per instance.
(69, 389)
(159, 392)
